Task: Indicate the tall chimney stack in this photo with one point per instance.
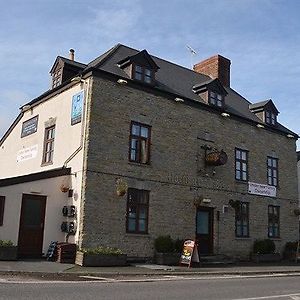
(216, 67)
(72, 56)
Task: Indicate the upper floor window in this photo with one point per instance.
(242, 220)
(48, 145)
(137, 211)
(139, 147)
(273, 221)
(216, 99)
(272, 166)
(143, 74)
(2, 202)
(56, 78)
(241, 164)
(270, 117)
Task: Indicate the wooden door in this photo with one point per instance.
(31, 231)
(204, 230)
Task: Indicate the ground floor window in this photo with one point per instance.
(242, 219)
(2, 200)
(273, 221)
(137, 211)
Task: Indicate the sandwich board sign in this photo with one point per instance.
(189, 253)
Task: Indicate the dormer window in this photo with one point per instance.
(140, 67)
(270, 118)
(143, 74)
(216, 99)
(266, 111)
(56, 78)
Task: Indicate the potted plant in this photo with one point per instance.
(264, 251)
(167, 250)
(8, 251)
(290, 250)
(100, 257)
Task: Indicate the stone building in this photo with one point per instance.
(131, 147)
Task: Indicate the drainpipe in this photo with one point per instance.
(83, 123)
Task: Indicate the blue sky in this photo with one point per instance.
(261, 37)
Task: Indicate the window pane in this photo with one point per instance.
(133, 155)
(238, 174)
(202, 222)
(244, 176)
(135, 130)
(131, 224)
(148, 79)
(244, 156)
(244, 167)
(138, 69)
(138, 76)
(238, 154)
(144, 132)
(147, 72)
(238, 231)
(238, 165)
(142, 225)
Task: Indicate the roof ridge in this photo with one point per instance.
(105, 55)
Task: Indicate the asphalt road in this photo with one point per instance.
(213, 288)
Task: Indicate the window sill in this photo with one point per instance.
(275, 238)
(46, 164)
(239, 238)
(138, 235)
(139, 164)
(241, 181)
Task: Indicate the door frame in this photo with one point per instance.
(43, 199)
(211, 227)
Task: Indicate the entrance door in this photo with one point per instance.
(204, 230)
(31, 231)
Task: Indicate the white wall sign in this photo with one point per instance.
(27, 153)
(261, 189)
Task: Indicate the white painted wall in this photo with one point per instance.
(68, 139)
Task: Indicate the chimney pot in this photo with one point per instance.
(72, 56)
(216, 67)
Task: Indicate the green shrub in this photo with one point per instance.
(266, 246)
(291, 246)
(6, 243)
(102, 250)
(178, 245)
(164, 244)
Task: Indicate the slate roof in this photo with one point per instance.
(74, 63)
(178, 80)
(171, 78)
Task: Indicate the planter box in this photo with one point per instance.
(169, 259)
(100, 260)
(9, 253)
(273, 257)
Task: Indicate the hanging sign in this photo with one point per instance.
(189, 253)
(77, 105)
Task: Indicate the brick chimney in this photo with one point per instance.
(72, 56)
(216, 67)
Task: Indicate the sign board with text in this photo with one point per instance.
(29, 126)
(189, 253)
(27, 153)
(77, 106)
(261, 189)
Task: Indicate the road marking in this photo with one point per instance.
(99, 278)
(272, 297)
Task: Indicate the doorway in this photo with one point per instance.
(31, 230)
(204, 230)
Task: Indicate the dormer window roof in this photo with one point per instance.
(140, 67)
(213, 92)
(266, 111)
(64, 69)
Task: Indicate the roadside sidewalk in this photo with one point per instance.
(46, 267)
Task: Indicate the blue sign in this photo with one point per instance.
(77, 106)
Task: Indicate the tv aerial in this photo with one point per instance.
(193, 54)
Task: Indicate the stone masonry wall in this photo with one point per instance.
(177, 174)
